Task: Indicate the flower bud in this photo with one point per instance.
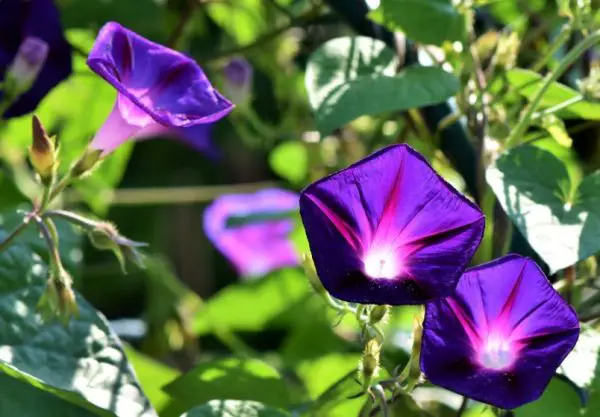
(86, 164)
(26, 66)
(58, 300)
(379, 313)
(369, 363)
(590, 86)
(507, 50)
(238, 80)
(105, 236)
(42, 152)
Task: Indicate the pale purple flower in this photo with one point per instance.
(501, 336)
(262, 243)
(389, 230)
(27, 65)
(238, 80)
(160, 91)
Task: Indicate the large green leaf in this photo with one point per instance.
(582, 363)
(560, 220)
(152, 375)
(354, 76)
(83, 363)
(289, 160)
(558, 400)
(18, 398)
(238, 379)
(231, 408)
(529, 82)
(426, 21)
(253, 305)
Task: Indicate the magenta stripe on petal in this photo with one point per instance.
(389, 230)
(501, 336)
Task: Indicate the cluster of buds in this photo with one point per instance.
(105, 236)
(58, 300)
(590, 86)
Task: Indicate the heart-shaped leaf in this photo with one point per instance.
(351, 77)
(560, 220)
(83, 363)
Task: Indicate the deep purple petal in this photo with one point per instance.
(500, 338)
(254, 248)
(165, 84)
(36, 18)
(389, 230)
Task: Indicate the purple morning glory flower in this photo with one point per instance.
(501, 336)
(160, 91)
(389, 230)
(259, 245)
(238, 79)
(37, 19)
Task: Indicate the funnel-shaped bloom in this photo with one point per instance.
(389, 230)
(33, 19)
(253, 230)
(160, 91)
(501, 336)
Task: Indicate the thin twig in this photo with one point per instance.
(10, 238)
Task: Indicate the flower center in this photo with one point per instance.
(381, 264)
(496, 353)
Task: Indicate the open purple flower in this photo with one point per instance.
(389, 230)
(33, 19)
(501, 336)
(253, 230)
(160, 91)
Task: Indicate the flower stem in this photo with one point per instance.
(558, 42)
(60, 186)
(9, 240)
(550, 78)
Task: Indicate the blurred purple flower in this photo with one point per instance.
(389, 230)
(238, 80)
(501, 336)
(23, 19)
(160, 91)
(259, 245)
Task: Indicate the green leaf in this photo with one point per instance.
(83, 363)
(528, 84)
(18, 398)
(354, 76)
(289, 160)
(230, 408)
(152, 375)
(559, 219)
(425, 21)
(69, 243)
(558, 400)
(320, 377)
(238, 379)
(253, 305)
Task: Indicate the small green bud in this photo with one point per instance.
(369, 363)
(590, 86)
(379, 314)
(58, 300)
(42, 152)
(105, 236)
(86, 164)
(507, 50)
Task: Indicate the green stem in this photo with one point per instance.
(9, 240)
(558, 107)
(60, 186)
(49, 235)
(558, 42)
(551, 77)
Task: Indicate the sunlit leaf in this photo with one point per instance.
(356, 76)
(231, 408)
(289, 160)
(426, 21)
(560, 219)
